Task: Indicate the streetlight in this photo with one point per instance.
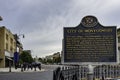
(18, 46)
(21, 35)
(1, 18)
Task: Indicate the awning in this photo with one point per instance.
(9, 54)
(9, 58)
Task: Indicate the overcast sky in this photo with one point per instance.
(42, 21)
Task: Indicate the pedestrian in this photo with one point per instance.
(39, 66)
(24, 66)
(28, 66)
(31, 67)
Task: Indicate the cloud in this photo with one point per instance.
(42, 21)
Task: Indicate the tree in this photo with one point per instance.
(49, 61)
(57, 59)
(26, 57)
(40, 59)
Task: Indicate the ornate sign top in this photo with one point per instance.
(89, 21)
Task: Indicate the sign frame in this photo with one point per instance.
(87, 23)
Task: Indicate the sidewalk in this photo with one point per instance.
(19, 70)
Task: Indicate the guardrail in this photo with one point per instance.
(66, 73)
(81, 72)
(107, 71)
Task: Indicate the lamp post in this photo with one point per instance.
(10, 64)
(18, 45)
(1, 18)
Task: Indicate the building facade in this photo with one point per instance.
(7, 47)
(19, 46)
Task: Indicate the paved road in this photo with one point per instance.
(46, 75)
(50, 67)
(41, 75)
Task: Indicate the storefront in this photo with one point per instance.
(1, 59)
(8, 59)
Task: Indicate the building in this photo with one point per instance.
(55, 55)
(7, 47)
(54, 58)
(57, 58)
(19, 46)
(49, 57)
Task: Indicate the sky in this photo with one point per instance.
(42, 21)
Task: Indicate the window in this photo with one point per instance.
(6, 46)
(15, 44)
(6, 36)
(11, 49)
(11, 41)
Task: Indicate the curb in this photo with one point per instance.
(19, 70)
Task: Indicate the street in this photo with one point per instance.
(45, 75)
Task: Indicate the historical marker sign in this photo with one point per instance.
(90, 42)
